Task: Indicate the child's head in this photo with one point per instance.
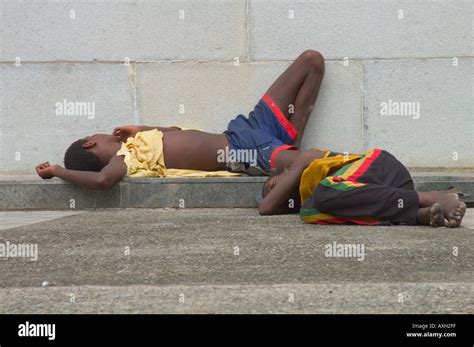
(91, 153)
(293, 204)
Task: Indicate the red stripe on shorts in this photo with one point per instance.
(285, 123)
(277, 151)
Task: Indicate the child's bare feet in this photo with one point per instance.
(431, 215)
(453, 208)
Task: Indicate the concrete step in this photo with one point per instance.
(18, 192)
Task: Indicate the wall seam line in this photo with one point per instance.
(247, 4)
(118, 62)
(362, 113)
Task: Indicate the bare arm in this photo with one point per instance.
(273, 203)
(126, 131)
(112, 173)
(287, 157)
(162, 129)
(288, 183)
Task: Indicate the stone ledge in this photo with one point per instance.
(31, 193)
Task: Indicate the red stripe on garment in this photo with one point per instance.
(365, 166)
(334, 220)
(342, 220)
(361, 222)
(285, 123)
(277, 151)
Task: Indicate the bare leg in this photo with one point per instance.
(297, 89)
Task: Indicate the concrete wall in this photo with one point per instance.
(183, 55)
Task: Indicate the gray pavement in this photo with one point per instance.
(12, 219)
(231, 260)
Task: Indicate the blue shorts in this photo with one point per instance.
(259, 138)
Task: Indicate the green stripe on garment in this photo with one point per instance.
(338, 186)
(305, 212)
(343, 169)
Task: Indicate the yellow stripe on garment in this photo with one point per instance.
(350, 184)
(318, 217)
(319, 170)
(329, 218)
(356, 165)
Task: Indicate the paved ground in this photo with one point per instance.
(230, 260)
(12, 219)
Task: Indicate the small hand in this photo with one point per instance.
(124, 132)
(45, 170)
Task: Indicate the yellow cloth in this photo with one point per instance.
(319, 170)
(183, 128)
(143, 155)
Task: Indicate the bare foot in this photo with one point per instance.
(431, 215)
(453, 208)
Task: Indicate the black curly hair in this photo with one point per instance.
(79, 158)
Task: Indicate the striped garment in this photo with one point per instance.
(370, 189)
